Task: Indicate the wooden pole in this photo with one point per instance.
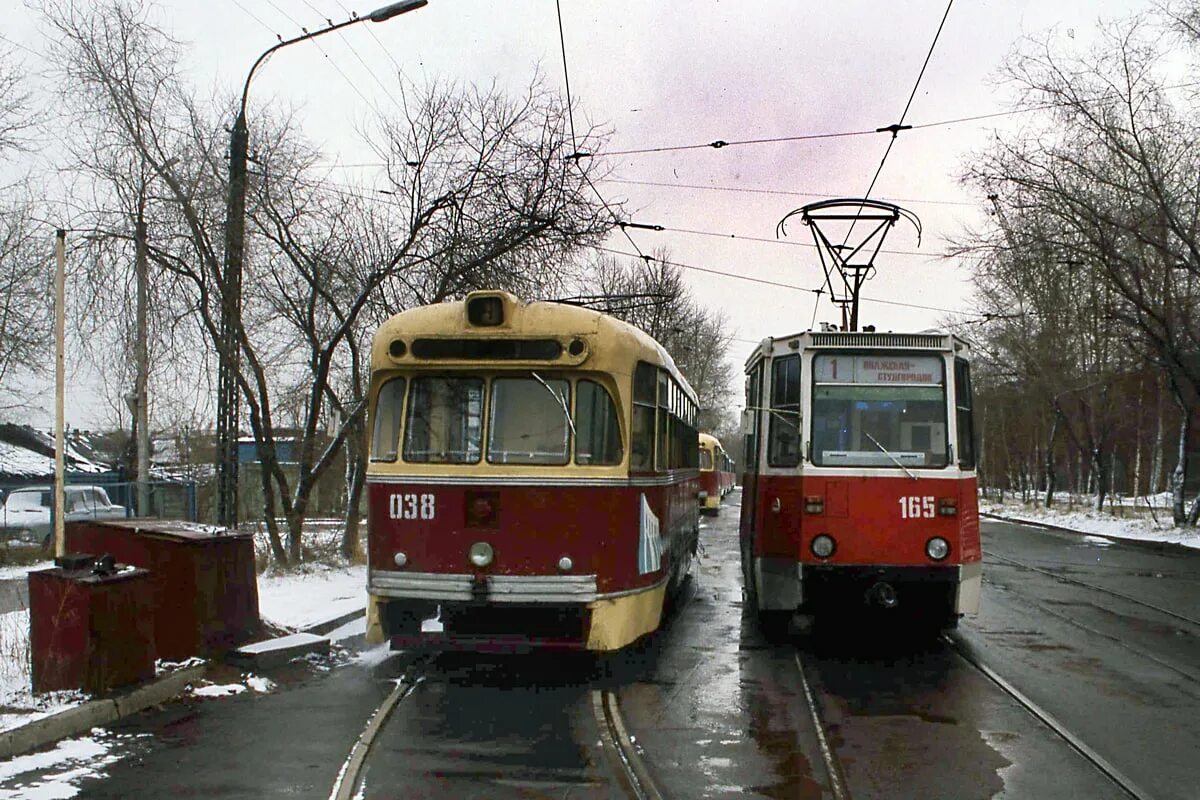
(60, 316)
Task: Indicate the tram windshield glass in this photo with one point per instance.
(879, 411)
(445, 421)
(529, 421)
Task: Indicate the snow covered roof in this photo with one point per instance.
(27, 452)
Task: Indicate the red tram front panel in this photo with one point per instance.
(563, 559)
(880, 528)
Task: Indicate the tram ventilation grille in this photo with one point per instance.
(921, 340)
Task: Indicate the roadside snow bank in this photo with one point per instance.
(1098, 523)
(297, 600)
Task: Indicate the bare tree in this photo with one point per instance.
(1105, 180)
(482, 194)
(654, 297)
(24, 250)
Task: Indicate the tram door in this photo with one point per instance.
(751, 457)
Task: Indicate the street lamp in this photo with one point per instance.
(231, 278)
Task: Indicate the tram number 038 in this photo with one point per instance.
(412, 506)
(916, 508)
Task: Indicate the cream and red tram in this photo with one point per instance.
(716, 473)
(859, 484)
(532, 477)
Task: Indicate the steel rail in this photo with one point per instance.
(837, 779)
(615, 737)
(348, 776)
(1043, 716)
(1117, 640)
(1094, 587)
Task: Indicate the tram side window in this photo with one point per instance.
(445, 421)
(641, 440)
(706, 460)
(753, 403)
(662, 458)
(599, 435)
(964, 413)
(529, 421)
(783, 448)
(385, 435)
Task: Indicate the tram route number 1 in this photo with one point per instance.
(412, 506)
(916, 507)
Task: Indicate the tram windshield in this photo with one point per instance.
(530, 421)
(879, 411)
(445, 421)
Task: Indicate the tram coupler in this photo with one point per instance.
(883, 594)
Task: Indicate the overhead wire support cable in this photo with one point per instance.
(576, 155)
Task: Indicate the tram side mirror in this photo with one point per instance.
(747, 420)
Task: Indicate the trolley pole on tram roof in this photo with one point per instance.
(230, 333)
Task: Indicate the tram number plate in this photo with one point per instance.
(916, 508)
(412, 506)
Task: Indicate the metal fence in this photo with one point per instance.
(27, 509)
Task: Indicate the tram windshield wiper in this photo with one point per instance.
(562, 403)
(885, 451)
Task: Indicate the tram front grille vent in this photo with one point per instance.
(487, 349)
(923, 341)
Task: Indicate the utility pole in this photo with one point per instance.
(142, 412)
(60, 444)
(229, 349)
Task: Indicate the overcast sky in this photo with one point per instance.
(666, 73)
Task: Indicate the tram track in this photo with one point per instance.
(348, 778)
(1119, 779)
(1140, 652)
(614, 736)
(833, 767)
(1094, 587)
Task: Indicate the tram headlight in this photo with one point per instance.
(481, 554)
(401, 558)
(937, 548)
(565, 563)
(822, 546)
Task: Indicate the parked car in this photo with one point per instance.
(25, 514)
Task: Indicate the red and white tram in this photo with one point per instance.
(859, 485)
(532, 477)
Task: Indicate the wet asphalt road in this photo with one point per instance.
(718, 711)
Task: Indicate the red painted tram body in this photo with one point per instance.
(859, 487)
(716, 474)
(533, 477)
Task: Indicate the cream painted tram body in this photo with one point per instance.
(532, 478)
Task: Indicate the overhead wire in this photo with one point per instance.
(785, 192)
(575, 155)
(346, 40)
(780, 284)
(899, 126)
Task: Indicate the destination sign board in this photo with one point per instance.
(877, 369)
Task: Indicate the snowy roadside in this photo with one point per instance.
(293, 601)
(1140, 526)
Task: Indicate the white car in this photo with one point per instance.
(25, 514)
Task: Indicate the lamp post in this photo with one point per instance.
(229, 346)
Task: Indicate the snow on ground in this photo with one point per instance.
(60, 770)
(297, 600)
(1134, 522)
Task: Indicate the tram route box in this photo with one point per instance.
(90, 631)
(205, 588)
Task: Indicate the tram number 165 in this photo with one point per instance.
(412, 506)
(916, 507)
